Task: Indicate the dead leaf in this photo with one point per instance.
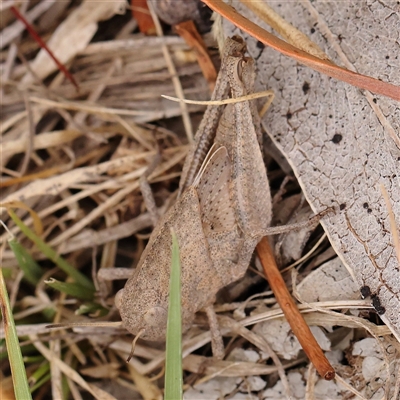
(187, 30)
(278, 334)
(140, 11)
(321, 65)
(340, 142)
(331, 281)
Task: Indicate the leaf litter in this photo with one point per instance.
(86, 153)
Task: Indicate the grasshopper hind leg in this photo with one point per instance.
(217, 343)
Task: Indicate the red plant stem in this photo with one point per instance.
(188, 31)
(140, 11)
(293, 316)
(43, 45)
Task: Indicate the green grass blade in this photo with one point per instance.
(41, 382)
(77, 276)
(40, 376)
(173, 356)
(72, 289)
(31, 269)
(21, 386)
(91, 308)
(42, 369)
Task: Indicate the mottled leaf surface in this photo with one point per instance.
(341, 142)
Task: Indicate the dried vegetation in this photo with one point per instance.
(76, 156)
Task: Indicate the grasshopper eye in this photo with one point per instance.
(156, 317)
(239, 69)
(118, 299)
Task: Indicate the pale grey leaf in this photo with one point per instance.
(341, 142)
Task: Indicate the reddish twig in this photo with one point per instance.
(292, 314)
(43, 45)
(324, 66)
(141, 13)
(187, 30)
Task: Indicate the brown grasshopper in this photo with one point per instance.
(222, 212)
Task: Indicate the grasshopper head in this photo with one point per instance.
(143, 313)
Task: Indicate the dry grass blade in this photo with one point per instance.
(177, 84)
(70, 372)
(285, 29)
(43, 45)
(71, 135)
(71, 163)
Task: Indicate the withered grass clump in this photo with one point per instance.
(75, 158)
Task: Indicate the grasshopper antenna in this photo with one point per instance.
(134, 344)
